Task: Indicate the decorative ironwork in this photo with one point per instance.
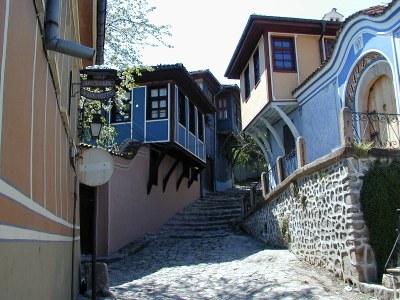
(382, 130)
(256, 192)
(271, 179)
(289, 163)
(355, 75)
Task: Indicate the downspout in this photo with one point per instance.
(321, 42)
(52, 40)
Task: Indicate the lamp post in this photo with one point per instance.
(95, 126)
(95, 129)
(99, 85)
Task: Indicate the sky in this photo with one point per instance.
(205, 33)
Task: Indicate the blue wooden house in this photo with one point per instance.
(222, 128)
(167, 112)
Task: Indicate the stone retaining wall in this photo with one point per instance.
(318, 217)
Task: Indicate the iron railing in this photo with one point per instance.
(271, 179)
(381, 130)
(255, 194)
(289, 163)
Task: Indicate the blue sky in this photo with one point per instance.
(205, 32)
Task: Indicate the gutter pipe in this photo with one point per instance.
(52, 40)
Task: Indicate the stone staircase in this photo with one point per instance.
(213, 215)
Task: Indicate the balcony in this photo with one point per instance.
(377, 129)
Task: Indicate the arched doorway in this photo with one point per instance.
(370, 95)
(383, 127)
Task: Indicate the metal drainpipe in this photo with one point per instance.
(54, 43)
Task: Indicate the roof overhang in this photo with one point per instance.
(178, 74)
(258, 25)
(271, 114)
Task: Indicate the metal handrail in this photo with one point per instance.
(289, 163)
(381, 130)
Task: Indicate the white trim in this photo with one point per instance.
(33, 111)
(15, 195)
(263, 138)
(259, 145)
(3, 68)
(287, 120)
(130, 123)
(297, 59)
(344, 45)
(145, 115)
(271, 70)
(45, 140)
(274, 133)
(169, 111)
(18, 234)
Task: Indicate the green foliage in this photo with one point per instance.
(380, 197)
(284, 227)
(89, 107)
(248, 152)
(128, 31)
(362, 148)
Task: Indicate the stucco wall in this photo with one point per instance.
(259, 93)
(320, 122)
(37, 181)
(131, 212)
(38, 270)
(319, 217)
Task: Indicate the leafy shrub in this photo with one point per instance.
(380, 197)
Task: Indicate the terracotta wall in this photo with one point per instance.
(129, 211)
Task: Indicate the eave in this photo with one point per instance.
(178, 74)
(270, 114)
(258, 25)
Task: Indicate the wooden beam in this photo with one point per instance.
(185, 173)
(156, 158)
(195, 173)
(171, 170)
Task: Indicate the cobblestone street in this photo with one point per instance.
(199, 255)
(231, 267)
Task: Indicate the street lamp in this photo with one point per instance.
(95, 126)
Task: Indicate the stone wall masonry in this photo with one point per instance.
(318, 216)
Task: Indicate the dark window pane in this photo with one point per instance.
(192, 121)
(157, 103)
(246, 83)
(182, 108)
(283, 54)
(200, 126)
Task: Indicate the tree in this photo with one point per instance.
(128, 31)
(248, 152)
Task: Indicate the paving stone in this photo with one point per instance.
(170, 264)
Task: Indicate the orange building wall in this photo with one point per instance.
(37, 182)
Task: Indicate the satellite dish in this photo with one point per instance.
(96, 167)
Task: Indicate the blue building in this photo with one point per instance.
(222, 131)
(303, 82)
(167, 112)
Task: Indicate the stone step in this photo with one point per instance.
(198, 228)
(201, 222)
(205, 211)
(194, 234)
